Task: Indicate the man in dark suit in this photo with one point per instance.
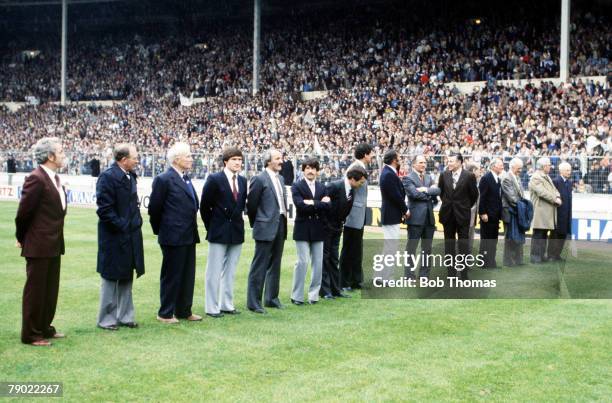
(422, 195)
(458, 192)
(489, 211)
(512, 193)
(352, 241)
(267, 211)
(173, 209)
(95, 167)
(311, 204)
(563, 227)
(223, 201)
(287, 170)
(40, 235)
(394, 209)
(120, 247)
(341, 194)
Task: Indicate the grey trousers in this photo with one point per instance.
(116, 305)
(220, 272)
(308, 252)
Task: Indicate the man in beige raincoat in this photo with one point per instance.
(545, 198)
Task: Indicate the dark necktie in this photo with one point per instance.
(191, 190)
(234, 189)
(349, 198)
(422, 178)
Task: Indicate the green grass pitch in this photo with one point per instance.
(340, 350)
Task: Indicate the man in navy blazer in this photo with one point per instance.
(311, 204)
(173, 209)
(223, 201)
(490, 212)
(267, 211)
(563, 227)
(422, 196)
(120, 245)
(394, 209)
(341, 194)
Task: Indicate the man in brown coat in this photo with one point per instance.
(40, 235)
(545, 198)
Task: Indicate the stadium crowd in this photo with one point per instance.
(347, 51)
(566, 123)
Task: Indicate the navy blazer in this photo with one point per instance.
(173, 209)
(393, 197)
(120, 245)
(340, 206)
(309, 222)
(564, 211)
(490, 197)
(222, 215)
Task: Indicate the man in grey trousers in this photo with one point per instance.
(223, 200)
(120, 250)
(311, 204)
(267, 211)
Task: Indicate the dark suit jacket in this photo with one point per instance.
(222, 215)
(40, 217)
(309, 219)
(457, 202)
(490, 197)
(263, 208)
(339, 207)
(120, 246)
(421, 203)
(173, 210)
(564, 211)
(393, 197)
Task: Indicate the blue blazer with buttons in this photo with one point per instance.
(310, 221)
(222, 215)
(173, 210)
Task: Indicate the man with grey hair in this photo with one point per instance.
(267, 210)
(563, 227)
(120, 244)
(545, 198)
(173, 212)
(40, 235)
(512, 192)
(489, 211)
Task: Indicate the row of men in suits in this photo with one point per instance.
(494, 196)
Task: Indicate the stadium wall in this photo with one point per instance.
(592, 216)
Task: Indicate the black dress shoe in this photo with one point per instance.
(111, 327)
(131, 325)
(328, 296)
(277, 305)
(234, 312)
(342, 295)
(258, 310)
(215, 315)
(295, 302)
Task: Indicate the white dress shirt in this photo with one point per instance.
(277, 188)
(59, 189)
(312, 187)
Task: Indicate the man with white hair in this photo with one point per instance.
(563, 228)
(40, 235)
(489, 211)
(173, 209)
(512, 192)
(545, 198)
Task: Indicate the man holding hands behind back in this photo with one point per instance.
(267, 211)
(120, 248)
(173, 210)
(223, 201)
(40, 235)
